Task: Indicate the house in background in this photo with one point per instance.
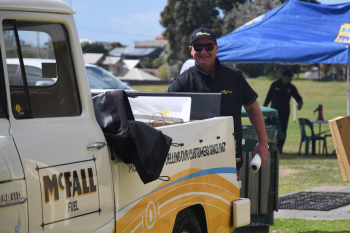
(114, 65)
(135, 53)
(140, 49)
(159, 44)
(136, 74)
(93, 58)
(132, 63)
(125, 64)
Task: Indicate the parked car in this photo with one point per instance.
(100, 80)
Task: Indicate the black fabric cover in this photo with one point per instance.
(132, 141)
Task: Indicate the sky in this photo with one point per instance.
(124, 21)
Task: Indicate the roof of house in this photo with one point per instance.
(118, 52)
(161, 37)
(92, 58)
(131, 63)
(138, 74)
(52, 6)
(110, 60)
(150, 44)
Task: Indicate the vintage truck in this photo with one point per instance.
(56, 172)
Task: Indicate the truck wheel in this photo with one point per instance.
(187, 222)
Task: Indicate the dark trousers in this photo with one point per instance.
(284, 125)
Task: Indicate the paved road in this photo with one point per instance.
(339, 213)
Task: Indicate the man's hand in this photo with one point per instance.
(263, 150)
(257, 120)
(300, 106)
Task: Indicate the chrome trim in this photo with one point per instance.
(22, 200)
(97, 145)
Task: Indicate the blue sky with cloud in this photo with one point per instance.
(124, 21)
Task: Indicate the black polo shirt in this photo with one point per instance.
(280, 94)
(228, 81)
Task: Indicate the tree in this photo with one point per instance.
(244, 13)
(227, 5)
(146, 62)
(96, 47)
(116, 45)
(180, 18)
(163, 72)
(157, 62)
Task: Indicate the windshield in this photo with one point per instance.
(101, 79)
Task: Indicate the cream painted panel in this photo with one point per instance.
(10, 164)
(14, 218)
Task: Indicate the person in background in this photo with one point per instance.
(279, 95)
(210, 76)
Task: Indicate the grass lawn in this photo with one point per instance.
(298, 173)
(292, 225)
(151, 88)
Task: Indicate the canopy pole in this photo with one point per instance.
(294, 112)
(347, 80)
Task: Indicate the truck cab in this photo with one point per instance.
(56, 172)
(49, 179)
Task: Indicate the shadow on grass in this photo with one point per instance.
(310, 156)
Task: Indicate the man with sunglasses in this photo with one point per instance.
(209, 75)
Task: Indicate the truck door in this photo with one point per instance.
(67, 168)
(13, 195)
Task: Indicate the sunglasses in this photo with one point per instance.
(199, 47)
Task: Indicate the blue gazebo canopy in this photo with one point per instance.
(295, 32)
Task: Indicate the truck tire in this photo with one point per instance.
(187, 222)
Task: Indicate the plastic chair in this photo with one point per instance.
(304, 137)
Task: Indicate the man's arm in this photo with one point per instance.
(269, 96)
(257, 120)
(298, 98)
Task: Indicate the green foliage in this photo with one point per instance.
(174, 70)
(252, 70)
(149, 63)
(163, 72)
(95, 47)
(271, 71)
(227, 5)
(146, 62)
(116, 45)
(157, 62)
